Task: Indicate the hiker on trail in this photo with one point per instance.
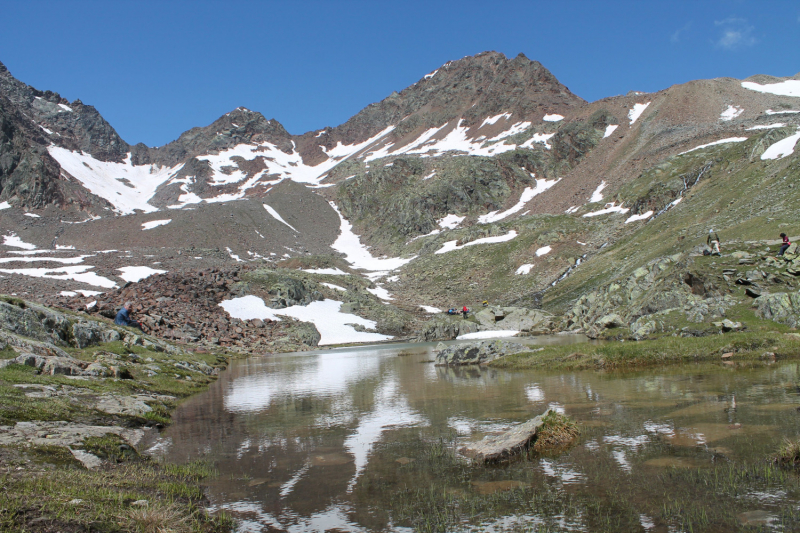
(465, 311)
(713, 242)
(485, 303)
(785, 244)
(124, 317)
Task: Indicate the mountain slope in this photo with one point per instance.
(486, 179)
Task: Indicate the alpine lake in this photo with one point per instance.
(365, 439)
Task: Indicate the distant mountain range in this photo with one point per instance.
(61, 152)
(485, 149)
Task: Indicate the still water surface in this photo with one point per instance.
(346, 439)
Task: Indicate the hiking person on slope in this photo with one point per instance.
(124, 317)
(713, 242)
(465, 311)
(786, 244)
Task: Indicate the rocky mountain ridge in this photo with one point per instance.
(485, 180)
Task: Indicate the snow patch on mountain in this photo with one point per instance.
(187, 198)
(643, 216)
(527, 195)
(129, 187)
(450, 246)
(519, 127)
(277, 217)
(494, 119)
(15, 242)
(450, 221)
(334, 326)
(357, 254)
(155, 223)
(524, 270)
(609, 208)
(540, 138)
(731, 113)
(225, 170)
(610, 129)
(552, 118)
(766, 126)
(340, 152)
(782, 148)
(782, 112)
(637, 111)
(138, 273)
(125, 186)
(721, 141)
(597, 195)
(380, 292)
(544, 250)
(62, 260)
(328, 271)
(75, 273)
(457, 139)
(782, 88)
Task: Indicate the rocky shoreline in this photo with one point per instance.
(80, 397)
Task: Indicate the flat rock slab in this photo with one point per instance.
(62, 433)
(111, 403)
(90, 461)
(494, 448)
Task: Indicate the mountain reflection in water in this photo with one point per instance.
(320, 440)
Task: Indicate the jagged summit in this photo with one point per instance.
(240, 126)
(483, 105)
(472, 88)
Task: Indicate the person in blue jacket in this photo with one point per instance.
(124, 317)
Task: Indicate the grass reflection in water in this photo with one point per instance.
(426, 486)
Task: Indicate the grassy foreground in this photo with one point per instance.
(744, 346)
(46, 488)
(53, 493)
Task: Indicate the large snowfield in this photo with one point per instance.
(334, 326)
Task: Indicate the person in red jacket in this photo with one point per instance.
(785, 244)
(465, 311)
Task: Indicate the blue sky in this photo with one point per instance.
(157, 68)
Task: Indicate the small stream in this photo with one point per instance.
(363, 439)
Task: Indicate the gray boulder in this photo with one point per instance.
(642, 328)
(475, 353)
(514, 318)
(66, 366)
(781, 307)
(33, 321)
(443, 328)
(88, 333)
(612, 320)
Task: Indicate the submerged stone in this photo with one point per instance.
(501, 447)
(491, 487)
